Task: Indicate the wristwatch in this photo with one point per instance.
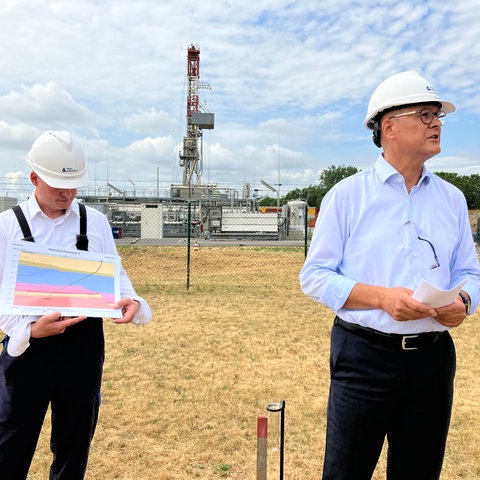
(466, 301)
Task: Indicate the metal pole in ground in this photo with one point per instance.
(305, 230)
(280, 407)
(262, 422)
(189, 223)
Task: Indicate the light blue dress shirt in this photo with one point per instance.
(371, 230)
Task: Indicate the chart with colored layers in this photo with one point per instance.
(38, 279)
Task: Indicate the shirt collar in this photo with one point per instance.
(34, 208)
(385, 171)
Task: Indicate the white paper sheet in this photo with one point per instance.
(436, 297)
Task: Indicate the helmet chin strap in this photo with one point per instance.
(376, 134)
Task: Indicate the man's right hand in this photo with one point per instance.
(396, 301)
(52, 324)
(401, 305)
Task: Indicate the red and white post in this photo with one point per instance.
(262, 422)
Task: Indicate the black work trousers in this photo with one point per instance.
(380, 391)
(64, 371)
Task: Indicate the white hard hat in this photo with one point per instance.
(399, 90)
(59, 160)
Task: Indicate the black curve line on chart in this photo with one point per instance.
(73, 283)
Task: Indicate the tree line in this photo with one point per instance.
(313, 194)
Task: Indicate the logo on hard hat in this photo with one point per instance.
(429, 88)
(69, 170)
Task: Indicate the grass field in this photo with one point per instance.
(181, 396)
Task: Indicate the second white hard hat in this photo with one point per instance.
(402, 89)
(59, 160)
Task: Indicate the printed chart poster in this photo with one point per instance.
(39, 279)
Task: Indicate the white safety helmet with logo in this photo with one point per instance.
(59, 160)
(399, 91)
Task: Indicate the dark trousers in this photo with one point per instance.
(380, 391)
(64, 371)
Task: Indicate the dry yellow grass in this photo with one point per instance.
(181, 396)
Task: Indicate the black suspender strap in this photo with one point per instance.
(82, 239)
(27, 234)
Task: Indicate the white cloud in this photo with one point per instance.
(44, 104)
(290, 81)
(462, 165)
(16, 136)
(150, 123)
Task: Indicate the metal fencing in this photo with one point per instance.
(190, 246)
(212, 242)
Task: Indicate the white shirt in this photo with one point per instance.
(62, 232)
(367, 231)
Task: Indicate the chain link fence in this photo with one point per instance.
(208, 243)
(207, 247)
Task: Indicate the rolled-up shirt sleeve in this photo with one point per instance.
(144, 314)
(320, 278)
(17, 327)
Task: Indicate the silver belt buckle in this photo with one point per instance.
(404, 342)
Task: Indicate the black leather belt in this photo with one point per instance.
(405, 342)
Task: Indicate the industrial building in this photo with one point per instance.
(211, 212)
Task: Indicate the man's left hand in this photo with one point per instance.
(451, 315)
(129, 308)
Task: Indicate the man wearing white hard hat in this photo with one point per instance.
(54, 360)
(379, 234)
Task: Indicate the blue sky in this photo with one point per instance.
(290, 83)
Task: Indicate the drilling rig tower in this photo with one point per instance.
(198, 119)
